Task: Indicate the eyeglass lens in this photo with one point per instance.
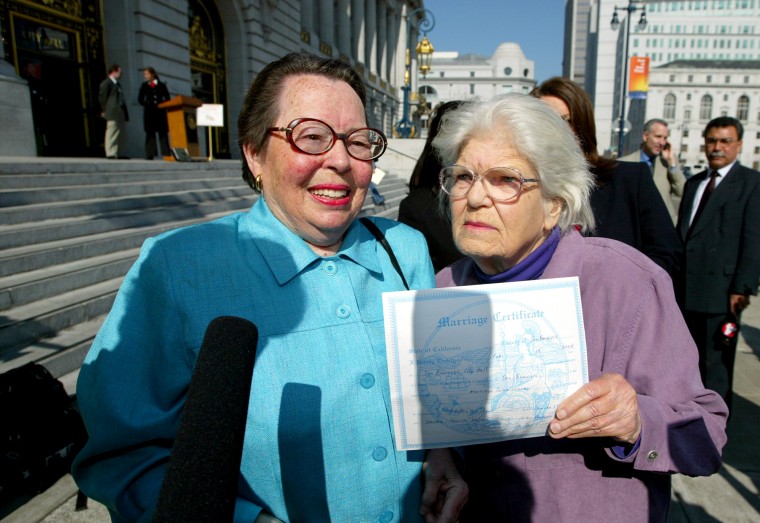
(501, 183)
(315, 137)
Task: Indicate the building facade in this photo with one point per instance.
(677, 30)
(459, 77)
(206, 49)
(689, 93)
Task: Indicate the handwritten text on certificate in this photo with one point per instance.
(482, 363)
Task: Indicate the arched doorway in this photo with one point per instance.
(52, 48)
(207, 65)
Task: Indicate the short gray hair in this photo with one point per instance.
(539, 135)
(651, 123)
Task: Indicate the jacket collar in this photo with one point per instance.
(287, 255)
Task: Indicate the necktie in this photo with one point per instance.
(705, 196)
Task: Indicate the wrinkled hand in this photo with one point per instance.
(445, 491)
(604, 407)
(738, 303)
(266, 518)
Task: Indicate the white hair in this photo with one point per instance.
(539, 135)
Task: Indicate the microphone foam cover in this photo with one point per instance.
(203, 470)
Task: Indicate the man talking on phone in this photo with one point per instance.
(656, 152)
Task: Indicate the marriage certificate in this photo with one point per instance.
(483, 363)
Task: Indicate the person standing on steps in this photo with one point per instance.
(113, 108)
(152, 93)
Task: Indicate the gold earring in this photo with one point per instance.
(257, 184)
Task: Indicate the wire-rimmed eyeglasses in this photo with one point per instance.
(312, 136)
(501, 183)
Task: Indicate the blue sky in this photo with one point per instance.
(479, 26)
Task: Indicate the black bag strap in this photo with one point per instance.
(380, 237)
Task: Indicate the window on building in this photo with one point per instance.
(508, 71)
(688, 96)
(684, 148)
(687, 114)
(709, 78)
(728, 79)
(723, 112)
(441, 74)
(746, 79)
(705, 107)
(685, 133)
(472, 74)
(690, 78)
(472, 88)
(725, 97)
(757, 150)
(742, 108)
(672, 78)
(669, 110)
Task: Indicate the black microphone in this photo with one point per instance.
(202, 475)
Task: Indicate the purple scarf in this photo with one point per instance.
(531, 268)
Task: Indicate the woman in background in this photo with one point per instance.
(420, 208)
(626, 203)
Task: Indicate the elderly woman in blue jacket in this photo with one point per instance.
(319, 442)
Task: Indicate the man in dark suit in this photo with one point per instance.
(719, 223)
(114, 109)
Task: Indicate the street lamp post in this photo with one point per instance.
(615, 24)
(424, 52)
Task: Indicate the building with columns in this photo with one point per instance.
(458, 77)
(689, 93)
(206, 49)
(698, 31)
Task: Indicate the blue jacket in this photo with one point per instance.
(319, 439)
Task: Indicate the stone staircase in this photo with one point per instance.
(71, 228)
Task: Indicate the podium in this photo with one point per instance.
(183, 126)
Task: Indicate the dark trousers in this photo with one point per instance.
(716, 361)
(150, 145)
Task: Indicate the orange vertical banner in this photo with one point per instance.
(638, 80)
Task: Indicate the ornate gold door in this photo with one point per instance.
(207, 65)
(52, 44)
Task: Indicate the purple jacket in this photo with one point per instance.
(634, 328)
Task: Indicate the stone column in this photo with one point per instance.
(343, 19)
(358, 35)
(382, 40)
(307, 16)
(326, 26)
(15, 112)
(371, 43)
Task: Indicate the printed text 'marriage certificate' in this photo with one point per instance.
(483, 363)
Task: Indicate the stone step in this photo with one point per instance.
(61, 194)
(32, 233)
(96, 207)
(61, 263)
(32, 180)
(21, 326)
(28, 287)
(101, 167)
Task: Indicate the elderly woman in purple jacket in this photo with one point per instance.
(517, 188)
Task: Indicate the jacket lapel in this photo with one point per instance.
(722, 194)
(689, 193)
